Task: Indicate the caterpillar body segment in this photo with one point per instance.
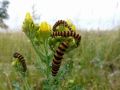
(59, 22)
(21, 60)
(58, 57)
(67, 34)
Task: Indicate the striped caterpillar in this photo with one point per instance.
(21, 60)
(67, 34)
(58, 56)
(61, 22)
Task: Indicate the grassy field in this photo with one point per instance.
(96, 61)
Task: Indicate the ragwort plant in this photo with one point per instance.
(52, 45)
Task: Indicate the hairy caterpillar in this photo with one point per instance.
(21, 60)
(58, 56)
(61, 22)
(67, 34)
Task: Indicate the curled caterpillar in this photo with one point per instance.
(61, 22)
(21, 60)
(58, 56)
(67, 34)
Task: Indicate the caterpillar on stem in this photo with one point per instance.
(58, 56)
(21, 60)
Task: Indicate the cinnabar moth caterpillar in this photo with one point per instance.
(67, 34)
(61, 22)
(21, 60)
(58, 56)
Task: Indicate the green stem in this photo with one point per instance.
(47, 58)
(39, 53)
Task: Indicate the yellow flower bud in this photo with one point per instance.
(28, 16)
(44, 30)
(44, 26)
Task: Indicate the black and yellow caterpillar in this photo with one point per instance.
(21, 60)
(66, 34)
(59, 52)
(58, 56)
(59, 22)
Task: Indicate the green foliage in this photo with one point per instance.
(45, 47)
(91, 63)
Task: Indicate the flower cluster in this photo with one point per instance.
(50, 44)
(30, 26)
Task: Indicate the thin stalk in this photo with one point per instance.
(30, 38)
(39, 53)
(47, 58)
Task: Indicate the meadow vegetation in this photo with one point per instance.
(96, 62)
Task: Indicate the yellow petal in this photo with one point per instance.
(44, 26)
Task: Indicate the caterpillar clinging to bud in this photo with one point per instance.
(59, 52)
(67, 34)
(21, 60)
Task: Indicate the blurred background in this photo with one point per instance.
(97, 59)
(87, 14)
